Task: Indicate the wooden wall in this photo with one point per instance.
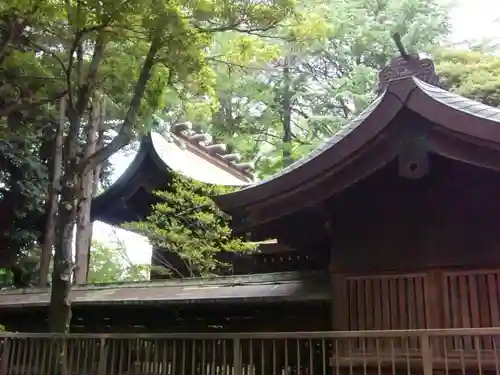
(448, 219)
(412, 254)
(432, 299)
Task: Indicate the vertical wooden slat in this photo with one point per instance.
(353, 305)
(493, 297)
(484, 307)
(421, 318)
(385, 299)
(361, 304)
(4, 356)
(465, 309)
(454, 307)
(411, 309)
(367, 290)
(378, 307)
(452, 282)
(473, 300)
(402, 312)
(484, 303)
(410, 300)
(393, 303)
(464, 301)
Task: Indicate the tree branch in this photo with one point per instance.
(90, 81)
(125, 133)
(26, 105)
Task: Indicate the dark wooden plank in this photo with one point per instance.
(484, 307)
(340, 314)
(369, 310)
(402, 300)
(393, 304)
(385, 299)
(412, 308)
(361, 313)
(420, 302)
(492, 281)
(378, 307)
(353, 305)
(473, 299)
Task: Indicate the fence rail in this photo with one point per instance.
(426, 352)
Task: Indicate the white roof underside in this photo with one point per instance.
(192, 165)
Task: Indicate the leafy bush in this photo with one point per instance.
(188, 223)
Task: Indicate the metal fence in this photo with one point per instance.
(426, 352)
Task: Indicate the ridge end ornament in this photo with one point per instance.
(407, 65)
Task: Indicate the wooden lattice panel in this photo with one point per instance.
(472, 299)
(386, 302)
(383, 302)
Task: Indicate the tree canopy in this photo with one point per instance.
(86, 76)
(473, 74)
(310, 75)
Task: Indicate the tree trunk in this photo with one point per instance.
(95, 183)
(286, 112)
(60, 304)
(83, 221)
(53, 195)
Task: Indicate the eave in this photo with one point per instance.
(151, 170)
(275, 287)
(461, 128)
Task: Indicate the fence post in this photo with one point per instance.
(237, 356)
(4, 359)
(103, 354)
(426, 349)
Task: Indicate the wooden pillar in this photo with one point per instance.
(435, 299)
(339, 302)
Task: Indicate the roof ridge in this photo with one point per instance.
(202, 141)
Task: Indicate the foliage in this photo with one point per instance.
(110, 263)
(473, 74)
(23, 181)
(188, 223)
(60, 60)
(299, 83)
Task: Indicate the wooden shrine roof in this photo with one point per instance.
(274, 287)
(410, 109)
(182, 151)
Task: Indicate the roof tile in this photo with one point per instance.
(459, 103)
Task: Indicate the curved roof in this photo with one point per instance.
(193, 162)
(151, 169)
(459, 119)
